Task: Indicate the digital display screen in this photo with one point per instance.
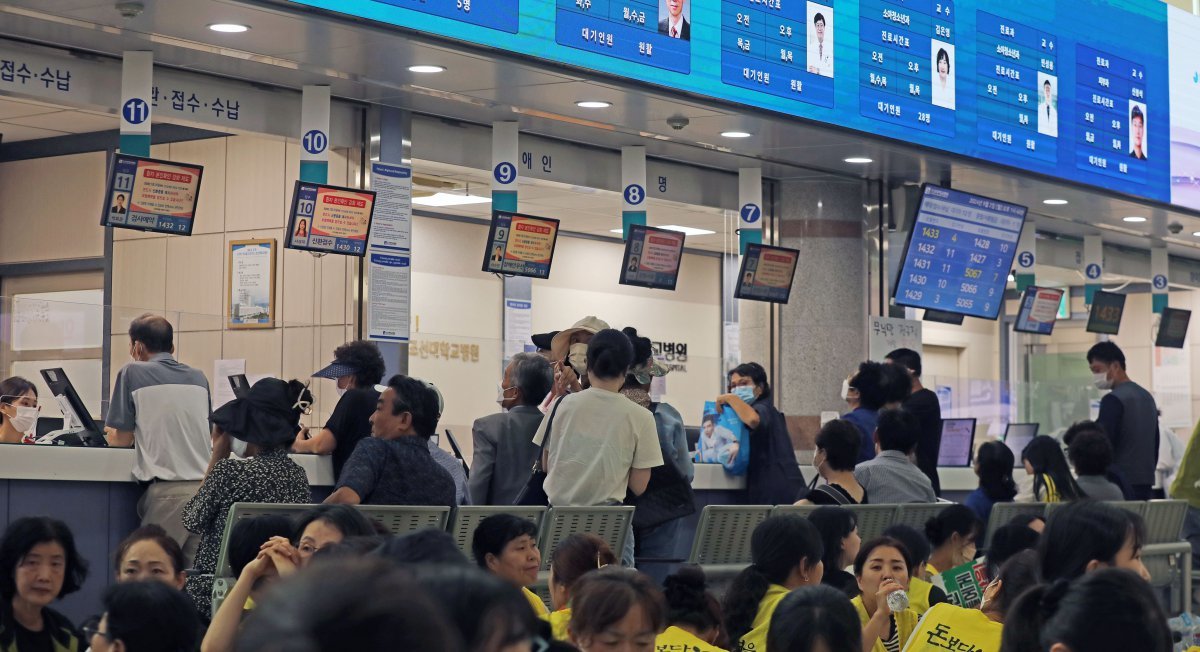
(1017, 436)
(151, 195)
(784, 49)
(652, 257)
(943, 317)
(1039, 310)
(958, 442)
(520, 245)
(656, 33)
(1173, 328)
(959, 253)
(1105, 316)
(767, 273)
(330, 219)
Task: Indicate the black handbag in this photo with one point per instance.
(668, 496)
(533, 493)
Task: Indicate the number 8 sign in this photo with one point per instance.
(634, 194)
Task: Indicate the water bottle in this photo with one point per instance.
(897, 601)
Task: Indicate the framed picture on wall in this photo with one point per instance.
(250, 296)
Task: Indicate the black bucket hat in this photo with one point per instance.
(268, 416)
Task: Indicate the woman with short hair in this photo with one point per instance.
(772, 475)
(38, 565)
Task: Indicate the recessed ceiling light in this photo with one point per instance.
(1133, 219)
(1054, 202)
(593, 104)
(450, 199)
(228, 28)
(687, 230)
(861, 160)
(426, 69)
(736, 134)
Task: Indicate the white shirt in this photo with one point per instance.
(943, 97)
(1047, 119)
(820, 56)
(598, 437)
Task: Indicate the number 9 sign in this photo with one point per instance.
(505, 173)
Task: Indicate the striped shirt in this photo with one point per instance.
(891, 478)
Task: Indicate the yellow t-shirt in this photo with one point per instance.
(906, 622)
(674, 639)
(755, 640)
(558, 624)
(918, 595)
(946, 622)
(539, 607)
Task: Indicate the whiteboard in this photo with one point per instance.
(58, 321)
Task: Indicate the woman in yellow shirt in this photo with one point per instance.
(787, 553)
(616, 609)
(506, 546)
(815, 618)
(952, 533)
(576, 556)
(693, 614)
(882, 569)
(1045, 463)
(921, 594)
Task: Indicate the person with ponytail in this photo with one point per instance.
(953, 534)
(882, 569)
(815, 619)
(1052, 480)
(693, 614)
(839, 536)
(994, 465)
(1110, 610)
(576, 556)
(787, 554)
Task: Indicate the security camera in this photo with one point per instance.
(1175, 228)
(678, 122)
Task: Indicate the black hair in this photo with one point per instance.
(419, 400)
(995, 462)
(1008, 541)
(605, 597)
(348, 604)
(1107, 353)
(1112, 610)
(1017, 575)
(120, 195)
(897, 384)
(248, 535)
(916, 547)
(1085, 531)
(1090, 453)
(833, 524)
(709, 418)
(778, 545)
(756, 373)
(897, 430)
(943, 55)
(350, 547)
(908, 359)
(609, 354)
(158, 535)
(150, 616)
(841, 441)
(1045, 455)
(365, 357)
(1046, 83)
(349, 521)
(533, 375)
(495, 532)
(12, 389)
(1025, 520)
(1136, 114)
(954, 519)
(689, 602)
(488, 612)
(864, 553)
(22, 535)
(1082, 426)
(642, 351)
(818, 18)
(869, 381)
(427, 546)
(154, 332)
(815, 617)
(577, 555)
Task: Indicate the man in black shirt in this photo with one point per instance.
(924, 405)
(357, 367)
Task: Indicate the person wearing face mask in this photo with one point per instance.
(357, 367)
(18, 411)
(569, 353)
(772, 476)
(865, 394)
(953, 534)
(504, 448)
(1129, 417)
(837, 449)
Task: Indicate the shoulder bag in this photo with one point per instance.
(533, 493)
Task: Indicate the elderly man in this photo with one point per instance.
(504, 448)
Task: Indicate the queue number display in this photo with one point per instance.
(1105, 315)
(520, 245)
(1173, 328)
(330, 219)
(149, 194)
(959, 253)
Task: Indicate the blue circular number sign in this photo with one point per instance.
(751, 213)
(505, 173)
(635, 194)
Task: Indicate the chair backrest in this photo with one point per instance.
(1003, 513)
(1136, 506)
(873, 519)
(723, 533)
(239, 511)
(1164, 520)
(466, 518)
(914, 515)
(405, 519)
(799, 510)
(608, 523)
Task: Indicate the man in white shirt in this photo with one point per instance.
(675, 25)
(820, 49)
(1047, 114)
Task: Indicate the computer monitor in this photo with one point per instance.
(75, 413)
(1017, 436)
(958, 441)
(241, 386)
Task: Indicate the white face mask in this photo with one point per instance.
(500, 390)
(577, 358)
(25, 419)
(342, 391)
(845, 389)
(1101, 381)
(237, 446)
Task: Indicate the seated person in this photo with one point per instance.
(18, 411)
(834, 460)
(921, 593)
(38, 565)
(506, 545)
(953, 533)
(488, 612)
(1047, 466)
(576, 556)
(620, 604)
(693, 614)
(145, 617)
(891, 477)
(882, 569)
(1091, 454)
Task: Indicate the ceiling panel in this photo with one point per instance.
(13, 133)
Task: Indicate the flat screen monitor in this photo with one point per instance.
(520, 245)
(959, 253)
(1039, 310)
(240, 385)
(1173, 328)
(958, 441)
(1106, 312)
(148, 194)
(943, 317)
(330, 219)
(75, 413)
(767, 273)
(1017, 436)
(651, 257)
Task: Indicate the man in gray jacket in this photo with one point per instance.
(504, 448)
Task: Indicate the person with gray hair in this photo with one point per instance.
(504, 448)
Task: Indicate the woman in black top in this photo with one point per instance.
(839, 533)
(834, 459)
(38, 565)
(772, 477)
(266, 419)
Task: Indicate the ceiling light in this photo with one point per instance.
(426, 69)
(736, 134)
(228, 28)
(861, 160)
(593, 104)
(450, 199)
(687, 230)
(1196, 234)
(1135, 219)
(1054, 202)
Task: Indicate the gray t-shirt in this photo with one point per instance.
(1099, 488)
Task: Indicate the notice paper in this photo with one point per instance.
(222, 391)
(388, 296)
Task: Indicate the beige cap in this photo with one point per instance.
(561, 342)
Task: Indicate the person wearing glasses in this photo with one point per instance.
(773, 476)
(18, 411)
(265, 419)
(144, 616)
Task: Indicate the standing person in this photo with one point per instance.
(993, 465)
(837, 450)
(891, 477)
(865, 394)
(600, 444)
(923, 403)
(454, 466)
(1045, 463)
(161, 407)
(504, 448)
(1129, 417)
(38, 565)
(357, 367)
(772, 476)
(18, 411)
(569, 353)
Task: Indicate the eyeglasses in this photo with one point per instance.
(94, 630)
